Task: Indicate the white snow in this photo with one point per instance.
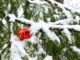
(33, 40)
(20, 11)
(5, 45)
(56, 16)
(4, 22)
(48, 57)
(50, 34)
(74, 27)
(25, 20)
(74, 48)
(68, 35)
(48, 19)
(35, 27)
(32, 58)
(62, 22)
(77, 19)
(37, 1)
(17, 48)
(9, 7)
(75, 4)
(41, 50)
(12, 17)
(1, 35)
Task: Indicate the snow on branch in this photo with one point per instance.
(37, 1)
(36, 26)
(48, 57)
(17, 48)
(3, 48)
(64, 6)
(13, 18)
(74, 27)
(68, 35)
(62, 22)
(54, 2)
(74, 48)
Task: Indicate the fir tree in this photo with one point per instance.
(54, 29)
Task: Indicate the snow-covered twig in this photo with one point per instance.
(74, 48)
(68, 35)
(37, 1)
(64, 6)
(36, 26)
(48, 25)
(74, 27)
(3, 48)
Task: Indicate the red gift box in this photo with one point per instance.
(23, 33)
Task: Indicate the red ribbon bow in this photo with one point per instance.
(23, 33)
